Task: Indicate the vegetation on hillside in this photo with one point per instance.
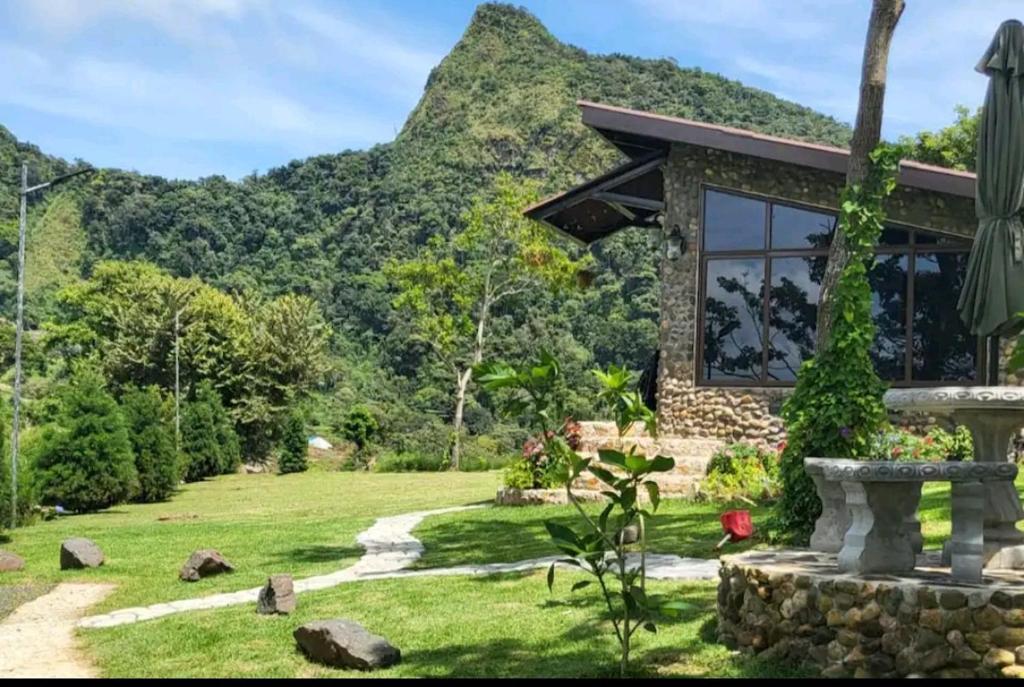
(503, 100)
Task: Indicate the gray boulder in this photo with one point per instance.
(345, 644)
(10, 562)
(79, 552)
(277, 596)
(204, 563)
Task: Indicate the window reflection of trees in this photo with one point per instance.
(736, 332)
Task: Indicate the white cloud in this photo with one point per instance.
(174, 105)
(810, 51)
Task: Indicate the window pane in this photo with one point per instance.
(889, 310)
(795, 228)
(733, 222)
(892, 236)
(793, 315)
(734, 320)
(943, 348)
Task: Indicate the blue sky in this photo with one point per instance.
(189, 88)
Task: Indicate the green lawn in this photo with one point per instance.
(446, 626)
(454, 626)
(507, 534)
(304, 524)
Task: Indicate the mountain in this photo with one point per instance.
(502, 99)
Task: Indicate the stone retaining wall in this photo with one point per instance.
(780, 608)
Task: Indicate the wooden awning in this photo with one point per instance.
(627, 196)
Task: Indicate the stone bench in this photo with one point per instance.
(883, 496)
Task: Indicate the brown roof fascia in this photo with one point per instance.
(608, 118)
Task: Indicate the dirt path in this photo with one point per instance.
(38, 638)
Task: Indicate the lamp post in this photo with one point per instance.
(20, 321)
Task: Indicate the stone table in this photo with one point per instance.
(993, 414)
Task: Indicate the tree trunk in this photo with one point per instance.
(460, 404)
(463, 378)
(867, 133)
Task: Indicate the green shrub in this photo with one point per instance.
(152, 438)
(27, 497)
(359, 427)
(742, 471)
(209, 443)
(390, 461)
(937, 445)
(84, 460)
(836, 408)
(484, 452)
(294, 446)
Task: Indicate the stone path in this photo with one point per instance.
(390, 550)
(38, 638)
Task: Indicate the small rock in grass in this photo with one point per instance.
(79, 552)
(345, 644)
(629, 535)
(10, 562)
(204, 563)
(277, 596)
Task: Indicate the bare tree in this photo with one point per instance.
(867, 133)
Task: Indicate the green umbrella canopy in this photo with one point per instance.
(993, 295)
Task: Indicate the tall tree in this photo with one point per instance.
(450, 290)
(867, 134)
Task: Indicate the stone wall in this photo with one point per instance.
(849, 626)
(740, 413)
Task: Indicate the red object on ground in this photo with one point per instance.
(737, 525)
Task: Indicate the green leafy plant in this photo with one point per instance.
(294, 446)
(836, 409)
(152, 438)
(83, 460)
(742, 471)
(208, 440)
(936, 445)
(359, 427)
(597, 546)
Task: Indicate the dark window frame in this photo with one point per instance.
(768, 254)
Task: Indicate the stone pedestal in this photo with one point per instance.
(831, 525)
(877, 540)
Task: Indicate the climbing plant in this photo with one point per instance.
(836, 408)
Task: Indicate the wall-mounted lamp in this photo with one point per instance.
(675, 243)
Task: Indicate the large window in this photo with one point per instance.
(762, 263)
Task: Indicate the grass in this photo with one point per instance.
(508, 534)
(12, 596)
(446, 627)
(304, 524)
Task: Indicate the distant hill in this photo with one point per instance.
(503, 99)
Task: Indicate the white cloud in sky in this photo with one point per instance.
(263, 72)
(810, 51)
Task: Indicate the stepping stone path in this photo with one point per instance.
(10, 562)
(78, 552)
(277, 596)
(390, 550)
(345, 644)
(204, 563)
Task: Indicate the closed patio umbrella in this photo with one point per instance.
(993, 293)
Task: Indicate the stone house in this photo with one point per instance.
(744, 222)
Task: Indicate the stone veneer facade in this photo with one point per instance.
(730, 413)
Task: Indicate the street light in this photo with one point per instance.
(20, 323)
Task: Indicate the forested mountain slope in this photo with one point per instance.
(503, 99)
